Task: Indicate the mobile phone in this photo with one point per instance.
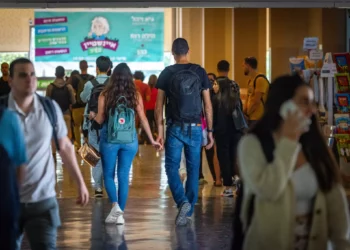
(290, 107)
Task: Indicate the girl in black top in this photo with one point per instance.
(226, 135)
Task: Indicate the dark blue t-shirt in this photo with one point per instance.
(166, 75)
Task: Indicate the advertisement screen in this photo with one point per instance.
(123, 36)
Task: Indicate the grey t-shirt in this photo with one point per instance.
(39, 179)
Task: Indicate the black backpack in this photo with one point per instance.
(185, 100)
(254, 84)
(49, 110)
(82, 81)
(10, 204)
(95, 93)
(268, 146)
(62, 96)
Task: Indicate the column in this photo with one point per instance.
(218, 37)
(249, 40)
(192, 27)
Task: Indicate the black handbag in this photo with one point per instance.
(238, 117)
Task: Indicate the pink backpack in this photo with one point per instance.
(204, 122)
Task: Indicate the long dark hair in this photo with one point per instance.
(120, 84)
(152, 81)
(226, 98)
(313, 142)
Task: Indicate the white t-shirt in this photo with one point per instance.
(39, 179)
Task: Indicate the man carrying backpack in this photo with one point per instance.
(258, 87)
(78, 83)
(89, 95)
(63, 94)
(42, 120)
(183, 87)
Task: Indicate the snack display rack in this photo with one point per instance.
(330, 80)
(320, 75)
(341, 129)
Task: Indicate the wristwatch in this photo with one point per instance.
(210, 130)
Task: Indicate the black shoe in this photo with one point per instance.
(98, 193)
(181, 218)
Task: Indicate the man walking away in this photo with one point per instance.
(78, 83)
(39, 208)
(64, 95)
(226, 135)
(12, 159)
(185, 86)
(145, 92)
(103, 65)
(258, 87)
(4, 85)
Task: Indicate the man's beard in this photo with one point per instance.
(246, 72)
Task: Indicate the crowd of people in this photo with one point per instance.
(289, 194)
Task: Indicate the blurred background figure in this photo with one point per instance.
(4, 85)
(151, 105)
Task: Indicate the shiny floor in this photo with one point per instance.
(149, 214)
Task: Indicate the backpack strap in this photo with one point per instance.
(122, 98)
(49, 110)
(52, 115)
(258, 76)
(2, 109)
(4, 101)
(94, 82)
(107, 80)
(78, 76)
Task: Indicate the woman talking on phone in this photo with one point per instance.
(117, 105)
(292, 198)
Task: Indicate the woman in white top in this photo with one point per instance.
(291, 180)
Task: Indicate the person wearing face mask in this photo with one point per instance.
(293, 197)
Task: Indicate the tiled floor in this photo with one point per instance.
(149, 214)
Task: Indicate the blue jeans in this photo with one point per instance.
(97, 170)
(40, 221)
(125, 154)
(189, 138)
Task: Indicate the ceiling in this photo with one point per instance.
(174, 3)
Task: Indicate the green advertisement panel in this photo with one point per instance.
(75, 36)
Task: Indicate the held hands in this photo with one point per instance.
(159, 141)
(158, 146)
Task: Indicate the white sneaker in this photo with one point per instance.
(120, 220)
(114, 214)
(227, 193)
(235, 179)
